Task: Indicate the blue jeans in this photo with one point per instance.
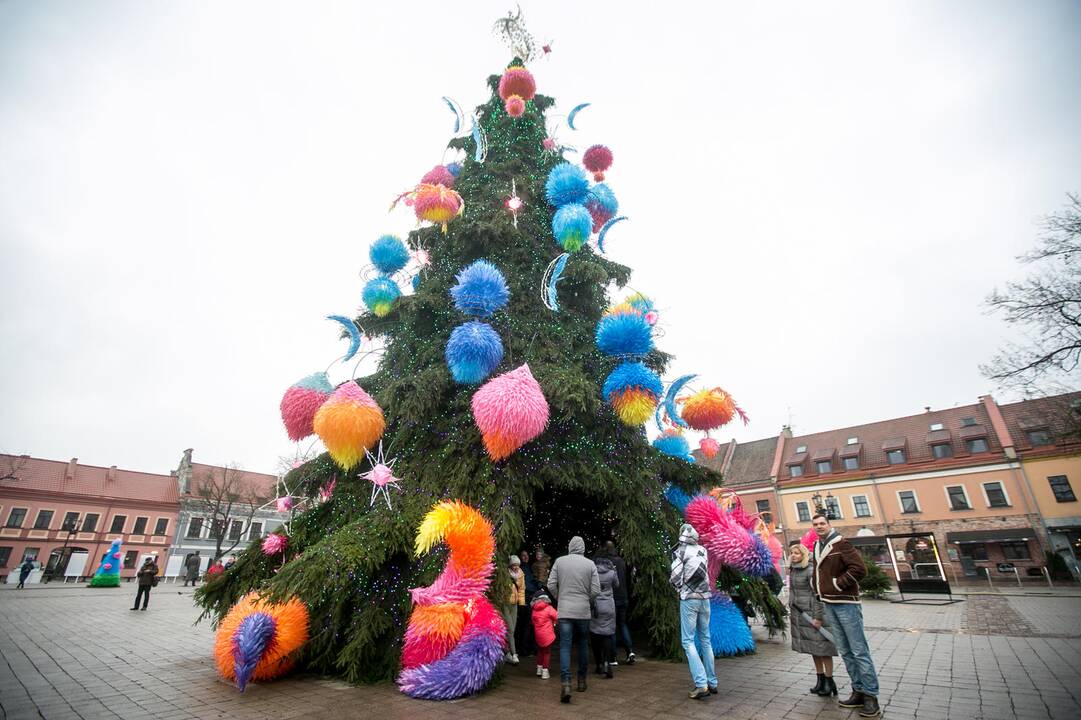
(567, 629)
(846, 622)
(623, 633)
(694, 632)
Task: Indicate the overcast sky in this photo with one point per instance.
(820, 194)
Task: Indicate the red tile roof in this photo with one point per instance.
(1055, 414)
(89, 480)
(750, 462)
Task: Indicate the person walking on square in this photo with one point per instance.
(838, 568)
(574, 584)
(24, 572)
(602, 626)
(192, 566)
(691, 578)
(523, 637)
(807, 637)
(621, 594)
(515, 597)
(544, 618)
(148, 578)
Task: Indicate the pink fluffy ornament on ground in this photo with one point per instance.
(597, 159)
(274, 544)
(510, 410)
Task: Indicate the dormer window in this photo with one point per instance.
(942, 450)
(977, 445)
(968, 422)
(895, 450)
(895, 457)
(823, 460)
(936, 426)
(1039, 437)
(852, 441)
(795, 470)
(823, 467)
(801, 449)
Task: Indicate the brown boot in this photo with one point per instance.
(854, 701)
(870, 707)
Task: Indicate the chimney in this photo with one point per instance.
(110, 474)
(69, 474)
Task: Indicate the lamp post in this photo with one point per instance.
(825, 509)
(61, 562)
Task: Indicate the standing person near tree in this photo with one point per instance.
(621, 594)
(690, 577)
(806, 635)
(542, 565)
(574, 584)
(148, 578)
(523, 638)
(545, 619)
(515, 598)
(602, 626)
(192, 567)
(838, 568)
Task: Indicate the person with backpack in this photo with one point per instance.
(690, 577)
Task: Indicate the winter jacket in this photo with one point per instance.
(801, 599)
(541, 567)
(605, 621)
(690, 575)
(25, 569)
(516, 595)
(620, 591)
(838, 568)
(573, 582)
(146, 574)
(192, 566)
(544, 622)
(531, 585)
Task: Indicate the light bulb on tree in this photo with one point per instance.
(514, 203)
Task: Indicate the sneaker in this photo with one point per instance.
(631, 658)
(513, 659)
(699, 693)
(544, 674)
(712, 689)
(614, 663)
(539, 669)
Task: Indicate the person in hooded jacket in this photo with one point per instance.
(622, 594)
(602, 626)
(544, 618)
(574, 583)
(690, 577)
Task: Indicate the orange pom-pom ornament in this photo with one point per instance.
(437, 204)
(258, 640)
(349, 423)
(709, 409)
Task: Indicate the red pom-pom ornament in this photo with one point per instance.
(516, 88)
(597, 159)
(515, 106)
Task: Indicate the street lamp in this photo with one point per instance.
(825, 509)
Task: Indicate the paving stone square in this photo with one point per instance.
(73, 652)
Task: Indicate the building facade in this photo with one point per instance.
(981, 490)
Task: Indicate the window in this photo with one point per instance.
(140, 526)
(861, 506)
(803, 512)
(255, 530)
(895, 457)
(833, 508)
(801, 449)
(942, 450)
(90, 522)
(162, 526)
(31, 553)
(1060, 485)
(1015, 550)
(996, 495)
(236, 529)
(852, 463)
(44, 518)
(822, 467)
(118, 523)
(968, 422)
(71, 521)
(958, 497)
(129, 559)
(1039, 437)
(974, 551)
(217, 528)
(195, 527)
(852, 441)
(795, 470)
(976, 445)
(936, 426)
(5, 555)
(909, 504)
(16, 517)
(762, 506)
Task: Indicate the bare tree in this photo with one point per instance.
(11, 466)
(1046, 305)
(226, 495)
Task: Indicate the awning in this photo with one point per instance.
(796, 459)
(975, 536)
(897, 443)
(938, 437)
(852, 450)
(971, 432)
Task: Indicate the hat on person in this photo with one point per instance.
(515, 560)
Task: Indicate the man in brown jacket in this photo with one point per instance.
(838, 568)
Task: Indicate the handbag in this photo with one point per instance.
(154, 581)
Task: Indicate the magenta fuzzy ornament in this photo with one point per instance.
(274, 544)
(300, 403)
(439, 175)
(510, 410)
(597, 159)
(808, 540)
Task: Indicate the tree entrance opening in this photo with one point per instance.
(558, 514)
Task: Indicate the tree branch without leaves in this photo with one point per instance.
(226, 495)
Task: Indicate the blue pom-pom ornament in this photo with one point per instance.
(481, 289)
(674, 445)
(473, 352)
(571, 226)
(388, 254)
(566, 184)
(602, 201)
(624, 335)
(380, 294)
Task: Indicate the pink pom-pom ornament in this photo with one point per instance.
(510, 410)
(597, 159)
(300, 403)
(516, 88)
(808, 540)
(709, 447)
(284, 504)
(274, 544)
(515, 106)
(439, 175)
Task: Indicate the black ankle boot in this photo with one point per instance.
(818, 685)
(828, 687)
(581, 684)
(565, 693)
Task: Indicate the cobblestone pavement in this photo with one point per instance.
(79, 653)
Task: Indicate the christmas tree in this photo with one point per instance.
(349, 557)
(108, 574)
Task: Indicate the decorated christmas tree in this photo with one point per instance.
(507, 380)
(108, 574)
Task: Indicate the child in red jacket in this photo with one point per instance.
(544, 624)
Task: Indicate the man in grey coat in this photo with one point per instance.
(574, 583)
(191, 565)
